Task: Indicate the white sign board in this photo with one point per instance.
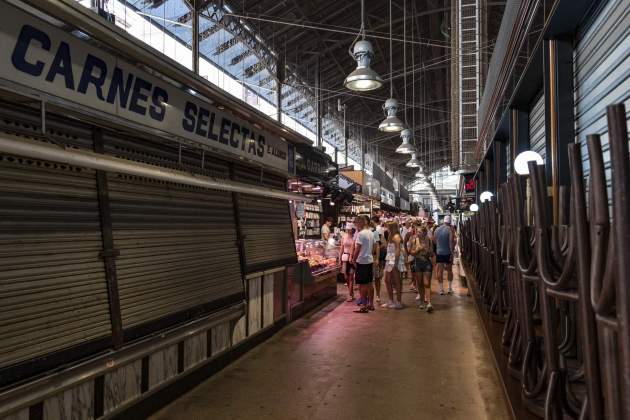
(40, 56)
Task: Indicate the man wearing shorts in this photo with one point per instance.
(444, 240)
(362, 257)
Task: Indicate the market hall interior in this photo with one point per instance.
(206, 207)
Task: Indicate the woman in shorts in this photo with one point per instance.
(346, 251)
(413, 245)
(424, 266)
(394, 266)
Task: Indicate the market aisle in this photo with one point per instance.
(336, 364)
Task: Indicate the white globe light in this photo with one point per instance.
(520, 163)
(485, 196)
(474, 207)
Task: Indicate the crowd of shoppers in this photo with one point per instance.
(373, 251)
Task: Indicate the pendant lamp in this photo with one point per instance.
(413, 162)
(391, 123)
(406, 147)
(362, 79)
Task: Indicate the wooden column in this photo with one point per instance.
(559, 114)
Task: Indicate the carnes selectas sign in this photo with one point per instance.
(40, 56)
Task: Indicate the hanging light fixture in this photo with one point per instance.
(391, 123)
(406, 147)
(413, 162)
(363, 78)
(485, 196)
(406, 134)
(474, 207)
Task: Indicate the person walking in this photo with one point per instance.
(382, 253)
(444, 239)
(364, 263)
(346, 251)
(375, 253)
(422, 262)
(412, 249)
(394, 266)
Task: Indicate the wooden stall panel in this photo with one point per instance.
(195, 350)
(240, 331)
(220, 338)
(254, 306)
(122, 385)
(72, 404)
(268, 288)
(162, 366)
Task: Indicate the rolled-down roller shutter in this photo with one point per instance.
(265, 222)
(601, 75)
(537, 127)
(53, 293)
(179, 255)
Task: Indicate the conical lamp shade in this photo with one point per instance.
(406, 147)
(391, 123)
(363, 79)
(413, 162)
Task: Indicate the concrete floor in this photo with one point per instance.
(335, 364)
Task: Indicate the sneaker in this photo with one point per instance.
(386, 304)
(442, 292)
(391, 305)
(421, 306)
(418, 297)
(378, 299)
(450, 291)
(429, 308)
(398, 305)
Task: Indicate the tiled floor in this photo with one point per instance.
(336, 364)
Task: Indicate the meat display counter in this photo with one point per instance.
(314, 278)
(321, 256)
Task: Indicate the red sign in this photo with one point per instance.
(469, 185)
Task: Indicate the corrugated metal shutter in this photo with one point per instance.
(267, 231)
(265, 222)
(256, 176)
(601, 75)
(53, 292)
(537, 127)
(178, 248)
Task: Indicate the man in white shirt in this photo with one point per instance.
(362, 257)
(326, 229)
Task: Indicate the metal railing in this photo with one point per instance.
(561, 290)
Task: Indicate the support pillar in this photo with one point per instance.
(559, 118)
(195, 37)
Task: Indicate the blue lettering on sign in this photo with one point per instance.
(18, 58)
(201, 121)
(62, 64)
(132, 92)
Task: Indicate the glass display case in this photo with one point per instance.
(321, 256)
